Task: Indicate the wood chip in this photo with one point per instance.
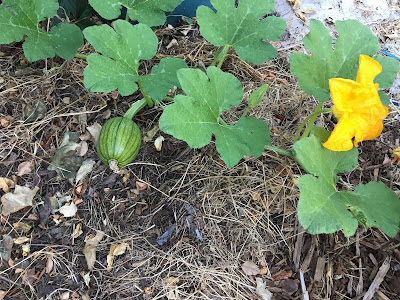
(319, 269)
(378, 279)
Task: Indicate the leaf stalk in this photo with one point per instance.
(150, 101)
(280, 151)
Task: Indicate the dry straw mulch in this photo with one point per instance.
(243, 214)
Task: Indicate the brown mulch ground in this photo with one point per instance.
(222, 217)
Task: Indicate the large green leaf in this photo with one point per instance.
(390, 68)
(313, 72)
(323, 209)
(196, 117)
(122, 48)
(20, 18)
(149, 12)
(121, 51)
(162, 77)
(244, 27)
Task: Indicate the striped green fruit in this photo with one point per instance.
(120, 140)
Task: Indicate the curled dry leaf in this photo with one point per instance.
(69, 211)
(25, 168)
(115, 250)
(90, 248)
(20, 240)
(250, 268)
(5, 184)
(262, 290)
(83, 148)
(50, 262)
(158, 143)
(85, 168)
(94, 131)
(78, 231)
(22, 197)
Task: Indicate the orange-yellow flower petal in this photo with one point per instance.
(358, 106)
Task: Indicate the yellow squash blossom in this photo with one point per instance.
(357, 106)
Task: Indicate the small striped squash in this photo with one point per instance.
(120, 140)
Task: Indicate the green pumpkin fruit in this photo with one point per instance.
(119, 140)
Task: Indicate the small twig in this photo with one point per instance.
(378, 279)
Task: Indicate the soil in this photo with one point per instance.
(187, 221)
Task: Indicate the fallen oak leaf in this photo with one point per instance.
(90, 248)
(21, 198)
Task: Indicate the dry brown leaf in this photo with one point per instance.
(115, 250)
(250, 268)
(86, 278)
(5, 184)
(25, 168)
(94, 131)
(4, 122)
(92, 241)
(68, 211)
(141, 186)
(83, 148)
(50, 262)
(22, 197)
(22, 226)
(2, 294)
(78, 231)
(29, 277)
(64, 296)
(20, 240)
(262, 290)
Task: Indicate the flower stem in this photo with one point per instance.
(135, 108)
(82, 56)
(279, 151)
(311, 119)
(150, 101)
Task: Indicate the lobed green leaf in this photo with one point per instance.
(244, 27)
(149, 12)
(122, 48)
(20, 18)
(195, 117)
(323, 209)
(162, 77)
(313, 72)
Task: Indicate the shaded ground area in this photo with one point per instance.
(216, 222)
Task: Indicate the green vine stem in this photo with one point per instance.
(220, 56)
(135, 108)
(81, 56)
(225, 53)
(311, 118)
(168, 99)
(150, 101)
(280, 151)
(245, 112)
